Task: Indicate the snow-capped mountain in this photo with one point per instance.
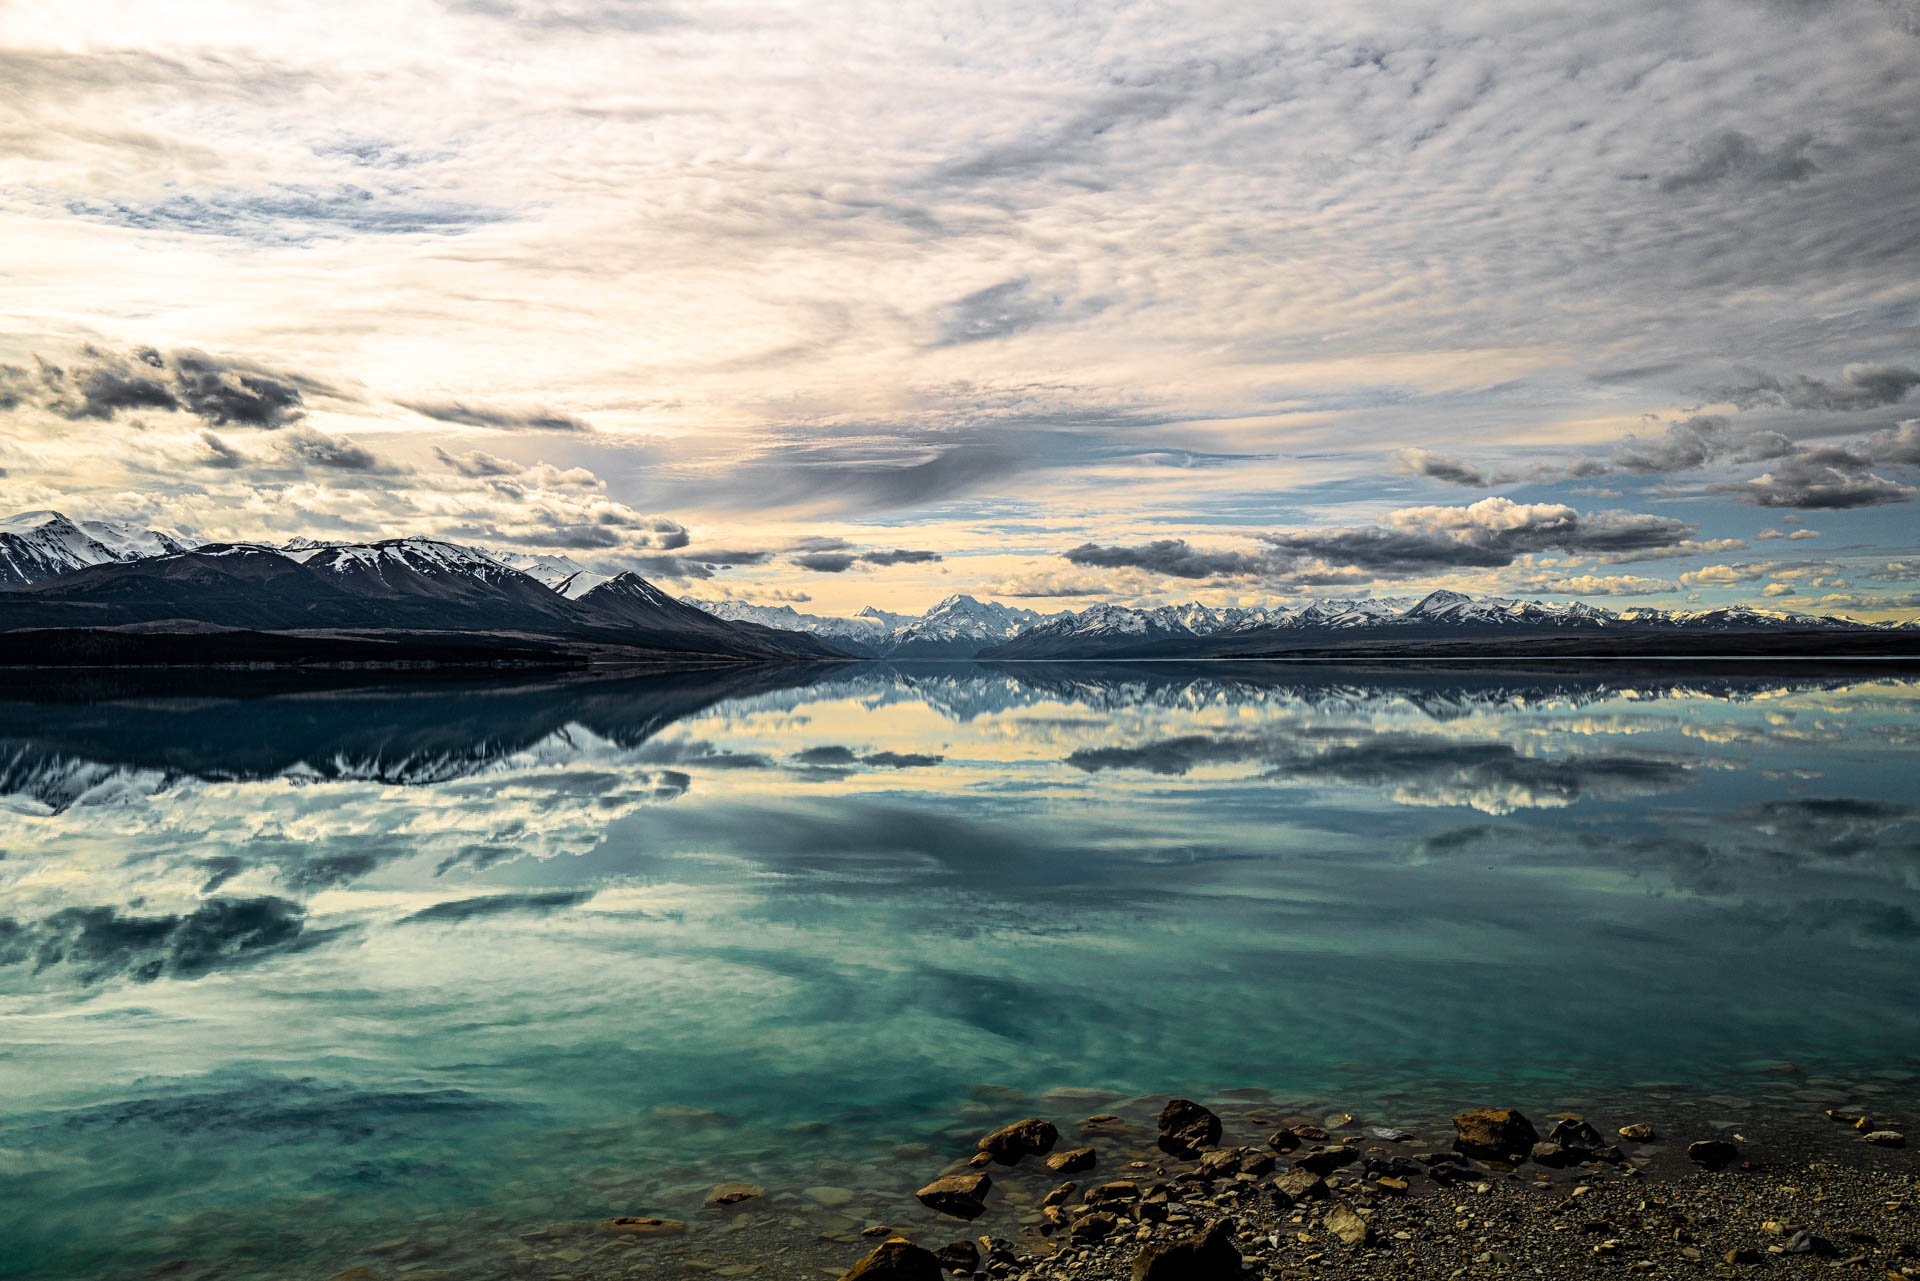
(40, 544)
(561, 572)
(958, 627)
(1110, 631)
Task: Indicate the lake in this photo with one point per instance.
(292, 964)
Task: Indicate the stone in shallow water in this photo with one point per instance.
(1886, 1138)
(1031, 1137)
(631, 1225)
(727, 1195)
(1494, 1132)
(1638, 1132)
(1072, 1161)
(831, 1197)
(960, 1195)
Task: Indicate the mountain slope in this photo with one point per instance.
(414, 585)
(41, 544)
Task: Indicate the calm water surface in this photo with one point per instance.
(283, 965)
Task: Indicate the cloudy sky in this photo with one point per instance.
(871, 303)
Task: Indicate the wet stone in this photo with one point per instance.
(1186, 1128)
(1031, 1137)
(961, 1195)
(897, 1259)
(1494, 1132)
(1071, 1161)
(629, 1225)
(726, 1196)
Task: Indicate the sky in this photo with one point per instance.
(838, 304)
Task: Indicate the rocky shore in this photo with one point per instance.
(1158, 1189)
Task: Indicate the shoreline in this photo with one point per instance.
(1290, 1195)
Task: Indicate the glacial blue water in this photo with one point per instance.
(287, 963)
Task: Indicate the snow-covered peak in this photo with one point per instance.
(41, 544)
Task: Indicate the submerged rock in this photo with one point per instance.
(897, 1259)
(627, 1225)
(1071, 1161)
(727, 1195)
(1031, 1137)
(1886, 1138)
(1638, 1132)
(1501, 1133)
(961, 1195)
(1206, 1256)
(1186, 1128)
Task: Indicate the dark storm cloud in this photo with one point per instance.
(1695, 442)
(294, 215)
(1733, 157)
(1448, 469)
(309, 449)
(223, 392)
(700, 565)
(101, 943)
(496, 419)
(901, 556)
(1492, 533)
(478, 465)
(467, 909)
(1171, 556)
(1861, 386)
(1820, 481)
(826, 562)
(1489, 534)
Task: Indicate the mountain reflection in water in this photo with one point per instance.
(398, 947)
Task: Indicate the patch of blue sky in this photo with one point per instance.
(296, 214)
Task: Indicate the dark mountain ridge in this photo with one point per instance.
(380, 591)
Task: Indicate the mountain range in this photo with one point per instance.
(403, 599)
(106, 592)
(1440, 622)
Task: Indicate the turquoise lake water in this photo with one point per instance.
(286, 962)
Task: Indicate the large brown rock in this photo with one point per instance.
(1208, 1255)
(961, 1195)
(1072, 1161)
(1031, 1137)
(1347, 1225)
(1186, 1128)
(1501, 1133)
(896, 1259)
(1107, 1195)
